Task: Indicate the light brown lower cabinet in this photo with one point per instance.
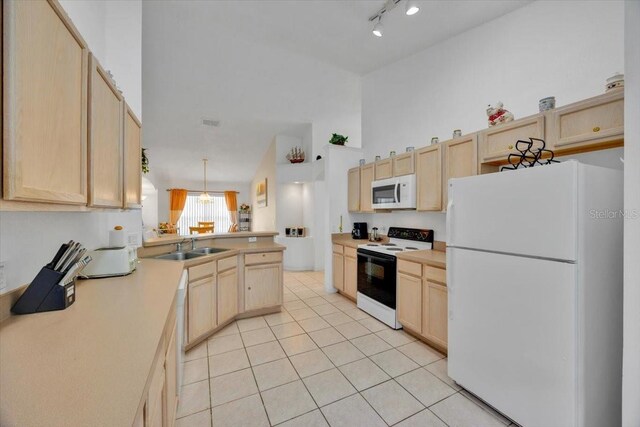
(155, 407)
(409, 302)
(338, 271)
(263, 286)
(171, 381)
(422, 302)
(227, 295)
(202, 307)
(351, 274)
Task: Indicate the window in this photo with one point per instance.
(195, 211)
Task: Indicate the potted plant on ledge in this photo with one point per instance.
(337, 139)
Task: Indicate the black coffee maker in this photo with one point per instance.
(359, 230)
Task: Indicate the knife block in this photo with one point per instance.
(44, 294)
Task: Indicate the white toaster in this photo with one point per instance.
(108, 262)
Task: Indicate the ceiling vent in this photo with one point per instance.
(211, 122)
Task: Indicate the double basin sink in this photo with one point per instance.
(181, 256)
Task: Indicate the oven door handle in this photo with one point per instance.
(396, 193)
(385, 258)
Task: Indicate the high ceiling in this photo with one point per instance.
(269, 67)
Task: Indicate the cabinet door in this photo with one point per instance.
(403, 164)
(263, 286)
(460, 160)
(202, 308)
(351, 276)
(45, 105)
(353, 198)
(227, 295)
(435, 310)
(429, 178)
(366, 178)
(105, 139)
(132, 160)
(171, 381)
(410, 302)
(155, 415)
(338, 271)
(588, 124)
(384, 169)
(499, 141)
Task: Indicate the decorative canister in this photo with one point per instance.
(361, 162)
(615, 81)
(410, 149)
(457, 133)
(377, 158)
(435, 140)
(392, 153)
(547, 103)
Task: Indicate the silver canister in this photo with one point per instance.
(361, 162)
(378, 158)
(435, 140)
(457, 133)
(392, 153)
(548, 103)
(410, 149)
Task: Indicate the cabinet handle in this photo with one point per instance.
(596, 129)
(264, 255)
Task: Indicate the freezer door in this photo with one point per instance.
(512, 334)
(530, 212)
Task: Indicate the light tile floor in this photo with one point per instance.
(321, 362)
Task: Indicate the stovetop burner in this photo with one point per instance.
(394, 249)
(389, 244)
(372, 244)
(413, 248)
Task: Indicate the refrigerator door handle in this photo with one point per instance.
(449, 219)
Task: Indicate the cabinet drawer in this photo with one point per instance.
(263, 257)
(338, 249)
(590, 122)
(383, 169)
(409, 267)
(499, 141)
(434, 274)
(227, 263)
(203, 270)
(350, 252)
(403, 164)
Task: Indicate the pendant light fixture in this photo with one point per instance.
(205, 197)
(377, 29)
(411, 8)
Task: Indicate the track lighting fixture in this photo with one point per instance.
(411, 8)
(377, 29)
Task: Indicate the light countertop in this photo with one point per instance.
(427, 256)
(87, 365)
(168, 239)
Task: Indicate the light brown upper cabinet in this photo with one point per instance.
(353, 191)
(595, 122)
(132, 160)
(403, 164)
(429, 178)
(384, 169)
(105, 139)
(499, 141)
(45, 104)
(460, 160)
(366, 178)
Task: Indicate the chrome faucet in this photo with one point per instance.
(193, 244)
(179, 247)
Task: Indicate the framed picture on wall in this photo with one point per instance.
(261, 193)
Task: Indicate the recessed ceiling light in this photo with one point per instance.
(411, 7)
(377, 29)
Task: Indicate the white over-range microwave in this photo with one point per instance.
(394, 193)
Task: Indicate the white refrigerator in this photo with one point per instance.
(534, 273)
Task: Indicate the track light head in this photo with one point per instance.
(411, 7)
(377, 29)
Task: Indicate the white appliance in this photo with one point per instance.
(377, 271)
(534, 273)
(109, 262)
(181, 327)
(394, 193)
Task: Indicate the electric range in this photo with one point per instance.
(377, 271)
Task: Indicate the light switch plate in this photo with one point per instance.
(253, 239)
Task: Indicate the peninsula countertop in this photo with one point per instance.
(168, 239)
(88, 364)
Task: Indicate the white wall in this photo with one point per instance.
(113, 31)
(631, 343)
(543, 49)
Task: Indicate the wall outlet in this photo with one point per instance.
(253, 239)
(3, 277)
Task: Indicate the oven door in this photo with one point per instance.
(377, 277)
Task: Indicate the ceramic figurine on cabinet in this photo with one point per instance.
(497, 114)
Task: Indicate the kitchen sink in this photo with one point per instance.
(180, 256)
(207, 251)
